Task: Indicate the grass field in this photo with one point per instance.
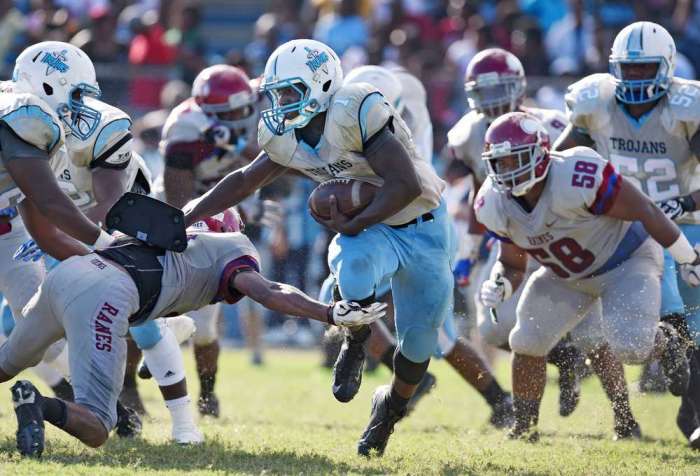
(282, 419)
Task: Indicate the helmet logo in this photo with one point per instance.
(317, 60)
(55, 61)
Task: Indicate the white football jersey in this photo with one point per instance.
(110, 146)
(33, 121)
(567, 230)
(653, 153)
(465, 140)
(356, 113)
(415, 113)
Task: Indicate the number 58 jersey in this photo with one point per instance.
(653, 152)
(567, 230)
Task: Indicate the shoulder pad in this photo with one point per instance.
(280, 149)
(487, 206)
(461, 133)
(186, 123)
(32, 120)
(570, 195)
(357, 111)
(588, 100)
(684, 104)
(345, 104)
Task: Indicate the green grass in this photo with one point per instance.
(282, 419)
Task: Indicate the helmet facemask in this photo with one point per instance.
(640, 91)
(241, 119)
(82, 120)
(281, 118)
(516, 169)
(494, 95)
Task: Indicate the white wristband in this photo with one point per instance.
(681, 250)
(104, 240)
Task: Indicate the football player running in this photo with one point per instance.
(596, 236)
(100, 167)
(407, 94)
(93, 299)
(646, 122)
(323, 129)
(495, 84)
(204, 138)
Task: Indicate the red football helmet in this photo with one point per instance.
(494, 82)
(228, 221)
(516, 152)
(224, 92)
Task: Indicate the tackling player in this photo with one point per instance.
(326, 130)
(596, 236)
(93, 299)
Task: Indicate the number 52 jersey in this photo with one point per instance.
(567, 230)
(653, 152)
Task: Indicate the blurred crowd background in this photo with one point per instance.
(147, 52)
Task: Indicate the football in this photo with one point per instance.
(352, 196)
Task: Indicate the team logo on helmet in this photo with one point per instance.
(55, 61)
(317, 60)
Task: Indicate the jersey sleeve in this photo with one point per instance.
(585, 102)
(246, 258)
(113, 145)
(358, 112)
(34, 125)
(488, 212)
(585, 182)
(684, 105)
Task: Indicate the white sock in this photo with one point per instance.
(181, 412)
(165, 360)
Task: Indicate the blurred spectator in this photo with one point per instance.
(191, 47)
(527, 43)
(12, 25)
(570, 41)
(547, 12)
(148, 48)
(343, 28)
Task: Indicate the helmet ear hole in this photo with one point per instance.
(326, 86)
(48, 89)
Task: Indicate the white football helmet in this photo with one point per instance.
(381, 78)
(312, 70)
(60, 74)
(642, 42)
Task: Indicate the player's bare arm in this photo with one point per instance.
(108, 185)
(388, 158)
(511, 264)
(633, 205)
(571, 137)
(235, 187)
(48, 237)
(291, 301)
(36, 180)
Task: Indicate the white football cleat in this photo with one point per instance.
(189, 435)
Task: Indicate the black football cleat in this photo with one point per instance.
(143, 371)
(674, 361)
(347, 371)
(694, 440)
(426, 384)
(30, 418)
(381, 424)
(502, 415)
(686, 420)
(129, 423)
(208, 405)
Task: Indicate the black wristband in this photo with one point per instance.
(329, 315)
(687, 203)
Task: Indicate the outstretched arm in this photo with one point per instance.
(289, 300)
(233, 188)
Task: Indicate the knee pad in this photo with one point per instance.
(146, 335)
(528, 345)
(418, 343)
(165, 360)
(408, 371)
(206, 321)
